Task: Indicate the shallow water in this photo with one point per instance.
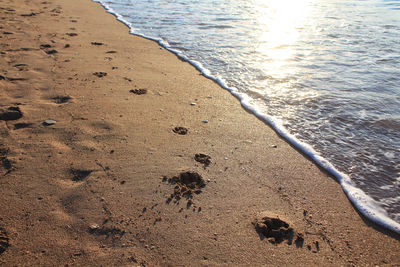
(323, 73)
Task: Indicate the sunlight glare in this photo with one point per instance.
(282, 21)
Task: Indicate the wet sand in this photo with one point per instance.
(116, 153)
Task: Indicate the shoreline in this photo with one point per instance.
(89, 189)
(364, 203)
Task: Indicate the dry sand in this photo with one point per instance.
(101, 184)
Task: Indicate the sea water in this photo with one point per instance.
(325, 74)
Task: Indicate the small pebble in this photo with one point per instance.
(94, 226)
(49, 122)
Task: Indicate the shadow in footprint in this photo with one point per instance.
(203, 158)
(61, 99)
(180, 130)
(44, 46)
(21, 67)
(138, 91)
(51, 51)
(22, 125)
(276, 231)
(186, 185)
(5, 163)
(4, 241)
(100, 74)
(113, 232)
(29, 14)
(79, 175)
(299, 242)
(11, 113)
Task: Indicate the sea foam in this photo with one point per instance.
(364, 203)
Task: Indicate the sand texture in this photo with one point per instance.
(106, 159)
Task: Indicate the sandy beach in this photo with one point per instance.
(116, 153)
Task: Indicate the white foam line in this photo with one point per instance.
(364, 203)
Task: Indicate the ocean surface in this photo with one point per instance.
(325, 74)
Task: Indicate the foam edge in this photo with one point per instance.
(367, 206)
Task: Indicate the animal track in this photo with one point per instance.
(180, 130)
(186, 184)
(203, 158)
(100, 74)
(138, 91)
(276, 231)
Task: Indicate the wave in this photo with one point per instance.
(364, 203)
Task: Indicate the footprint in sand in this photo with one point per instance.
(21, 67)
(61, 99)
(187, 184)
(47, 50)
(203, 158)
(100, 74)
(180, 130)
(112, 231)
(11, 113)
(51, 51)
(29, 14)
(4, 240)
(23, 125)
(275, 230)
(79, 175)
(5, 163)
(44, 46)
(138, 91)
(10, 79)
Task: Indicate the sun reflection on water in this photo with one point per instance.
(282, 21)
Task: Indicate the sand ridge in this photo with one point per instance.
(92, 121)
